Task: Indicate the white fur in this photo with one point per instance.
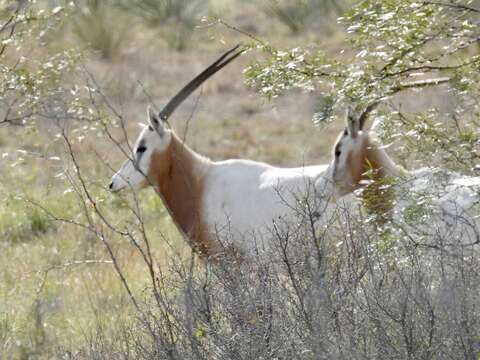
(341, 174)
(444, 211)
(243, 199)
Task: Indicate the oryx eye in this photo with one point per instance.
(338, 152)
(141, 149)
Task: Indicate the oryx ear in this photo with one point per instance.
(155, 122)
(353, 123)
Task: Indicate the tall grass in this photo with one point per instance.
(23, 225)
(176, 19)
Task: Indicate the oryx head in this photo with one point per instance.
(349, 153)
(155, 138)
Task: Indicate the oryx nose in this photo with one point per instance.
(110, 186)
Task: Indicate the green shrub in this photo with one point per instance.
(21, 223)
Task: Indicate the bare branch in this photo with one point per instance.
(403, 86)
(453, 6)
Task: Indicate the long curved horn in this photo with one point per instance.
(199, 79)
(364, 115)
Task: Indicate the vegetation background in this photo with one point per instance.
(75, 80)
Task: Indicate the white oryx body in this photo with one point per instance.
(446, 205)
(234, 205)
(220, 206)
(244, 199)
(234, 200)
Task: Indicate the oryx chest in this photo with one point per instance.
(243, 199)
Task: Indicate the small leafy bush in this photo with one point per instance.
(20, 224)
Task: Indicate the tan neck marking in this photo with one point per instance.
(370, 157)
(376, 197)
(178, 173)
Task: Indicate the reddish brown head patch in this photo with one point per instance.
(371, 158)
